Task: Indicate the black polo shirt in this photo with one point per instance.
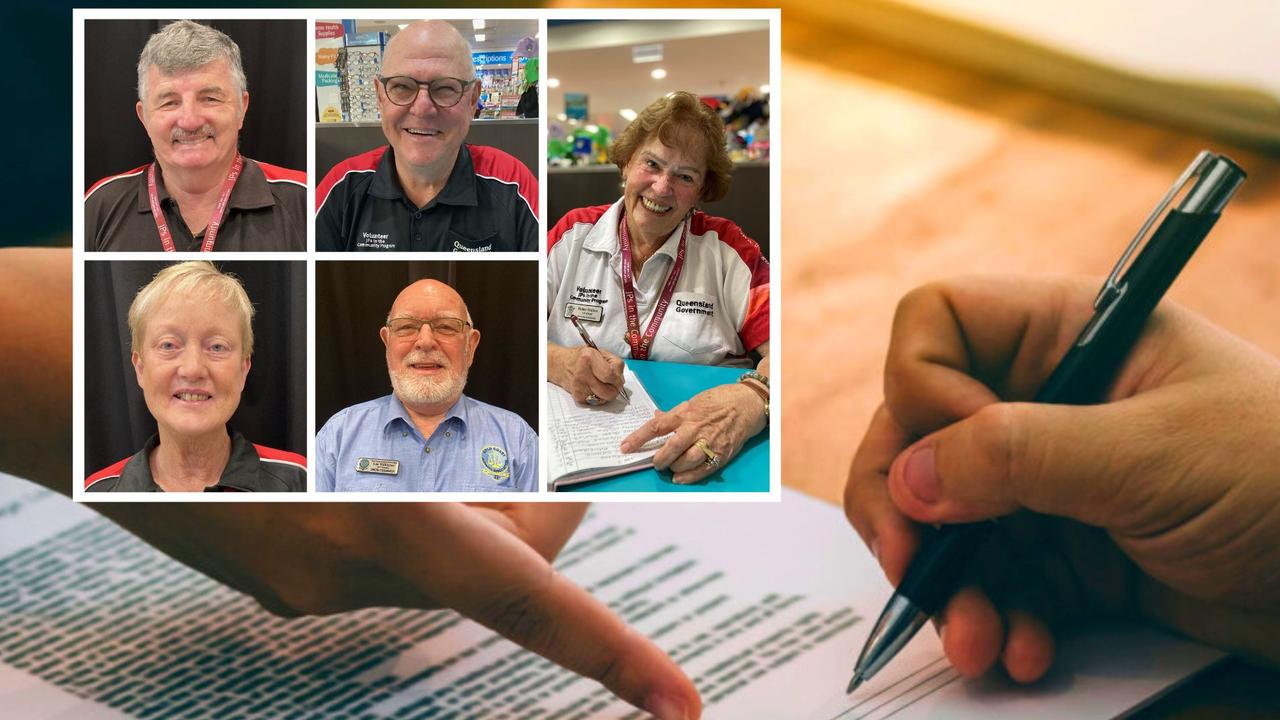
(250, 468)
(487, 205)
(265, 212)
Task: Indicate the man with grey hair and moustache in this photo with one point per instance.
(427, 190)
(427, 436)
(200, 193)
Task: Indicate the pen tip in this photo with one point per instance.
(854, 682)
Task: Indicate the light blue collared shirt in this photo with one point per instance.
(374, 446)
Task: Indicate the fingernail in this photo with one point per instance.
(664, 707)
(920, 477)
(624, 447)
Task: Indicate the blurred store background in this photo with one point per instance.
(349, 54)
(601, 73)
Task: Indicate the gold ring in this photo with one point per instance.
(713, 458)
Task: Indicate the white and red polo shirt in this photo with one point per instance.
(719, 310)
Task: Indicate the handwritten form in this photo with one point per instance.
(763, 605)
(585, 438)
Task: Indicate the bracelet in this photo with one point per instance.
(758, 387)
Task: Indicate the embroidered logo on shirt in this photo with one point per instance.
(584, 294)
(696, 307)
(376, 465)
(375, 241)
(494, 460)
(483, 248)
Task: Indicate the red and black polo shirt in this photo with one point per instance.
(265, 212)
(251, 468)
(487, 205)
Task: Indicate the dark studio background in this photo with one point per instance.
(352, 300)
(37, 37)
(273, 407)
(274, 55)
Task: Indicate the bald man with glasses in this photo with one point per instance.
(426, 190)
(427, 436)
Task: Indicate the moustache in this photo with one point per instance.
(416, 358)
(204, 131)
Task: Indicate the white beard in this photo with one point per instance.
(415, 390)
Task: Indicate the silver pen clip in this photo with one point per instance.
(1110, 289)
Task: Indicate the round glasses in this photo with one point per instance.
(441, 327)
(444, 92)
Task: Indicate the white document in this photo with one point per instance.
(765, 606)
(585, 439)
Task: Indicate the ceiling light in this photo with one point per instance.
(764, 89)
(657, 73)
(477, 24)
(646, 53)
(627, 114)
(553, 82)
(403, 25)
(479, 37)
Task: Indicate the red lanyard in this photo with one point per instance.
(215, 222)
(640, 344)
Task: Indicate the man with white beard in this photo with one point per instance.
(427, 436)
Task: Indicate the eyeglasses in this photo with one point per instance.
(444, 328)
(444, 92)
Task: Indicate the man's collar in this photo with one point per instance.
(459, 189)
(250, 192)
(397, 411)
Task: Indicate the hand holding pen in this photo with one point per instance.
(946, 449)
(600, 373)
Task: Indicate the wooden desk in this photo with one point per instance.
(898, 170)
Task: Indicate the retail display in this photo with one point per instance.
(358, 67)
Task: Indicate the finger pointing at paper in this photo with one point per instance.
(489, 562)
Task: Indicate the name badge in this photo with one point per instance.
(591, 313)
(377, 465)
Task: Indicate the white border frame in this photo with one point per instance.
(310, 16)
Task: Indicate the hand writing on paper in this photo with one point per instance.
(585, 371)
(1162, 503)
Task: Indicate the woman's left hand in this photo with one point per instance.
(724, 417)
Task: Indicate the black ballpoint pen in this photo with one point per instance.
(1082, 376)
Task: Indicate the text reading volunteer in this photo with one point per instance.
(653, 278)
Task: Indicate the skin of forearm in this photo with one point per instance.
(35, 365)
